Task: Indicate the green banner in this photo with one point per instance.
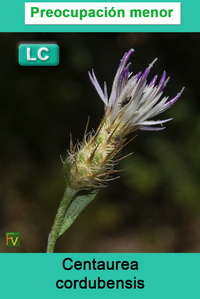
(100, 275)
(12, 16)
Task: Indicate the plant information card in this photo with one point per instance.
(99, 149)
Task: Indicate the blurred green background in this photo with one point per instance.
(155, 205)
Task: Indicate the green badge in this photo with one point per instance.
(38, 54)
(13, 239)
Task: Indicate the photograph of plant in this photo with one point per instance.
(67, 144)
(90, 165)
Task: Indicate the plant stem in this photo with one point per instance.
(65, 202)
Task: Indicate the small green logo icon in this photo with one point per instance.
(13, 239)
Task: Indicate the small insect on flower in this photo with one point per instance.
(133, 102)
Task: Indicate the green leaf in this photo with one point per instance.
(78, 204)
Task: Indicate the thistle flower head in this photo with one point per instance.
(133, 102)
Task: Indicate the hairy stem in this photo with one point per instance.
(60, 216)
